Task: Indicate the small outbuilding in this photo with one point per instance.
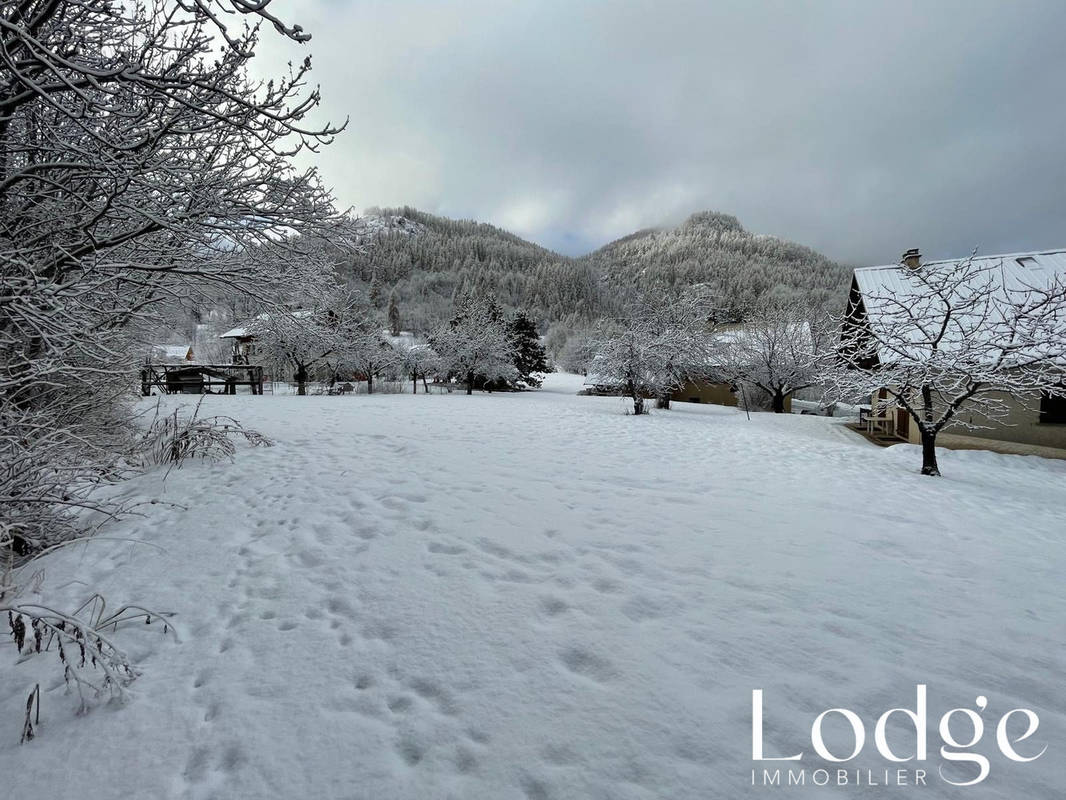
(171, 354)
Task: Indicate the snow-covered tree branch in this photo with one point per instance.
(138, 162)
(651, 351)
(779, 349)
(476, 345)
(418, 362)
(366, 350)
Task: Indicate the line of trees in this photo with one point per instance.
(347, 336)
(667, 340)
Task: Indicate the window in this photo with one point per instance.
(1053, 409)
(1027, 261)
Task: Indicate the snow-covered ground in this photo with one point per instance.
(537, 596)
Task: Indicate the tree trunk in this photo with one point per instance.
(470, 382)
(638, 399)
(663, 402)
(779, 402)
(929, 466)
(301, 379)
(370, 383)
(414, 383)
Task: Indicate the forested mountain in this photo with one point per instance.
(424, 261)
(711, 248)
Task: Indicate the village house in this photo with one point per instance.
(738, 353)
(1038, 419)
(709, 390)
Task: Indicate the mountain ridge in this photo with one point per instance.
(427, 260)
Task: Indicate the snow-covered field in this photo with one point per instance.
(536, 596)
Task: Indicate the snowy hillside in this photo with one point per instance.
(535, 596)
(448, 256)
(715, 249)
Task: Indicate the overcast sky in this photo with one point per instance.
(857, 128)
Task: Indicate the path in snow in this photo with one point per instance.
(535, 596)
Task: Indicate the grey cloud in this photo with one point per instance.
(856, 128)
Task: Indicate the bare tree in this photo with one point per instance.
(944, 337)
(368, 352)
(779, 349)
(298, 340)
(476, 345)
(419, 361)
(626, 358)
(651, 351)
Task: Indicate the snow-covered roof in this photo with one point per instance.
(884, 287)
(740, 335)
(1018, 270)
(179, 351)
(242, 331)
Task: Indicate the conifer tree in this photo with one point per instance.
(394, 314)
(529, 355)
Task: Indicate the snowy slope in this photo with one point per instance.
(536, 596)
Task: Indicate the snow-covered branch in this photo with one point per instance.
(652, 350)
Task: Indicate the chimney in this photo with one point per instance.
(911, 259)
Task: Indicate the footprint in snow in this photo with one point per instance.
(465, 761)
(410, 751)
(553, 606)
(436, 694)
(340, 606)
(535, 789)
(606, 586)
(445, 549)
(587, 664)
